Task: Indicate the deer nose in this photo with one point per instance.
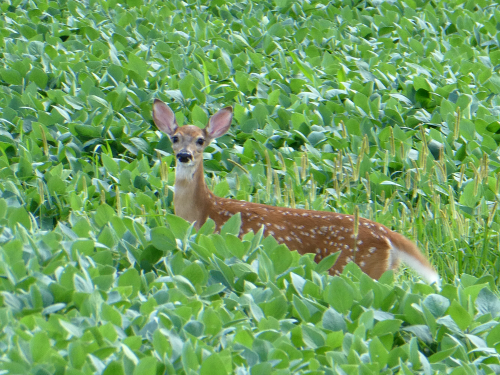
(184, 156)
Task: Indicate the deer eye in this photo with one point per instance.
(175, 139)
(200, 141)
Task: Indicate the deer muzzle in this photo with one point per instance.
(184, 156)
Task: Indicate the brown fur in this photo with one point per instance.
(375, 249)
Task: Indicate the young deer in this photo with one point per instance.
(375, 249)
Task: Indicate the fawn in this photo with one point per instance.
(375, 249)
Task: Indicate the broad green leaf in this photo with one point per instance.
(77, 354)
(232, 226)
(339, 295)
(459, 315)
(213, 365)
(163, 239)
(39, 347)
(326, 263)
(146, 366)
(178, 226)
(19, 216)
(333, 321)
(487, 302)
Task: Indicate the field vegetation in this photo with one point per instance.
(390, 108)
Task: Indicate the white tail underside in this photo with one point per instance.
(428, 274)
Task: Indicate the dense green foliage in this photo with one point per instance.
(391, 107)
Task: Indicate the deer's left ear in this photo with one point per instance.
(220, 123)
(164, 117)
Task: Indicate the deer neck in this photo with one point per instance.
(191, 195)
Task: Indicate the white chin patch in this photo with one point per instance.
(185, 171)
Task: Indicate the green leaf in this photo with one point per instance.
(213, 365)
(198, 115)
(40, 347)
(436, 304)
(442, 355)
(212, 322)
(196, 274)
(194, 328)
(313, 337)
(11, 76)
(334, 321)
(130, 278)
(38, 76)
(493, 337)
(326, 263)
(163, 239)
(189, 358)
(420, 82)
(114, 368)
(146, 366)
(77, 354)
(138, 65)
(378, 353)
(103, 215)
(339, 295)
(232, 226)
(389, 326)
(178, 226)
(487, 302)
(19, 216)
(110, 314)
(460, 315)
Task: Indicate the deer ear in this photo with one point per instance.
(220, 123)
(164, 117)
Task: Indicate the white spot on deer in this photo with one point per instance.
(318, 250)
(371, 250)
(288, 238)
(360, 242)
(271, 233)
(362, 264)
(280, 239)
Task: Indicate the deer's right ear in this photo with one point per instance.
(220, 123)
(164, 117)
